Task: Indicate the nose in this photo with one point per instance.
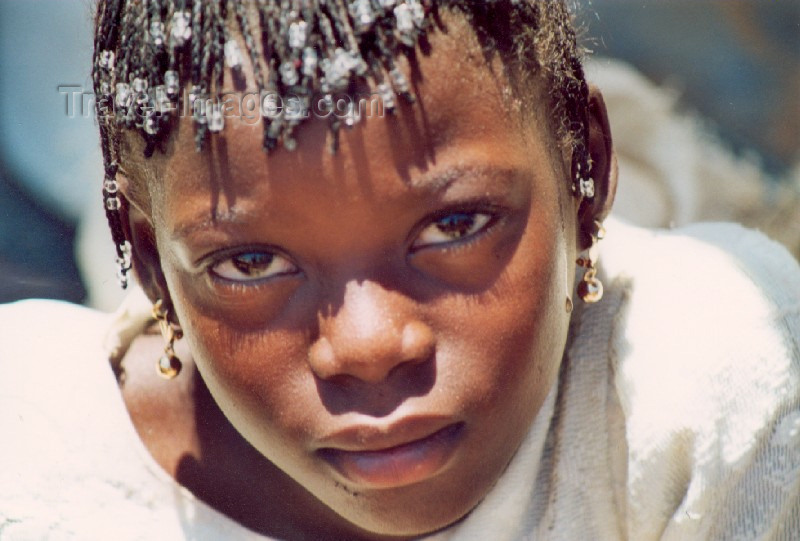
(373, 332)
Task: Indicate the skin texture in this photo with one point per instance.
(376, 323)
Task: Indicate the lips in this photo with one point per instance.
(407, 453)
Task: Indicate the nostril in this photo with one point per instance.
(417, 342)
(322, 359)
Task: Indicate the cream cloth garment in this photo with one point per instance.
(676, 415)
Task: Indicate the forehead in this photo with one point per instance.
(463, 97)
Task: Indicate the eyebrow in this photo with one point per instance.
(429, 183)
(205, 222)
(440, 181)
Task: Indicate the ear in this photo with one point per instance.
(145, 258)
(604, 170)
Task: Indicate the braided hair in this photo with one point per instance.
(149, 53)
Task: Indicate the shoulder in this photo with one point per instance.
(52, 366)
(709, 300)
(703, 300)
(48, 341)
(706, 360)
(75, 467)
(56, 406)
(48, 325)
(708, 259)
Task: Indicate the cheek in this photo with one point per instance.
(506, 345)
(259, 379)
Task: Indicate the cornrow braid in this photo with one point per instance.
(149, 53)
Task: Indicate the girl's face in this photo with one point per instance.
(383, 324)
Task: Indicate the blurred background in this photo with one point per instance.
(704, 99)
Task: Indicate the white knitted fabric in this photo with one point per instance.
(676, 416)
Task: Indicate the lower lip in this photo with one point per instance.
(397, 466)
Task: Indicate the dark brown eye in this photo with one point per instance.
(452, 227)
(252, 266)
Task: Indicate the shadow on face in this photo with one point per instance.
(383, 323)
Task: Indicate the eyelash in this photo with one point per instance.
(486, 219)
(490, 217)
(214, 268)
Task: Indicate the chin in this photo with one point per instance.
(405, 522)
(414, 510)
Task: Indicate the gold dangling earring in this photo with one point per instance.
(168, 365)
(590, 289)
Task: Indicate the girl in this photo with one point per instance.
(378, 302)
